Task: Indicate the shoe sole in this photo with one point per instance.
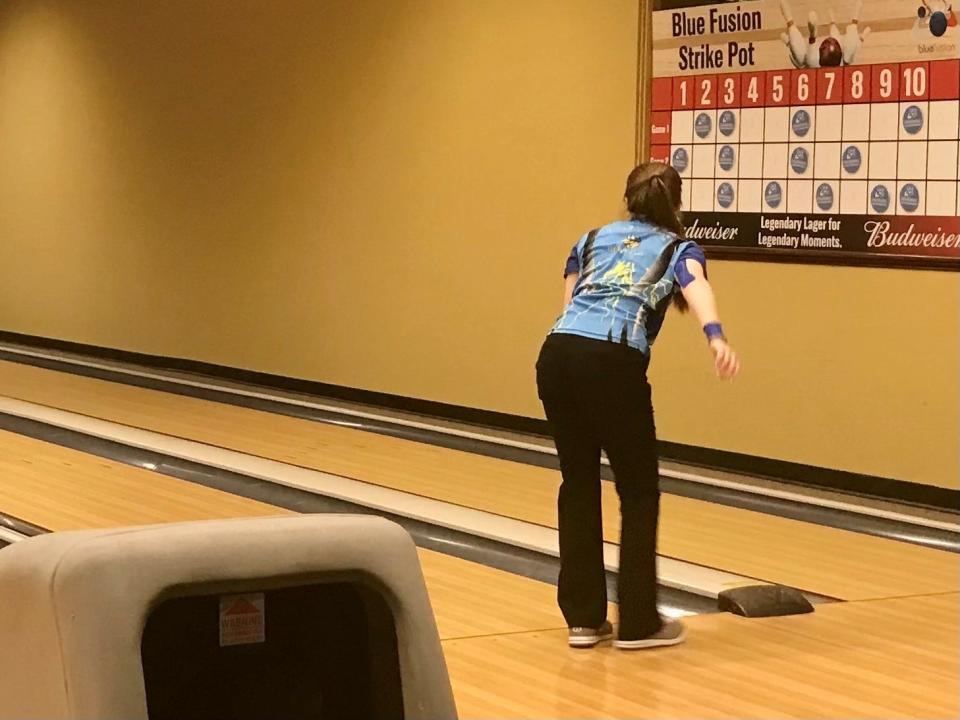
(649, 643)
(589, 642)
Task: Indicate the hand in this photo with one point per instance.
(726, 362)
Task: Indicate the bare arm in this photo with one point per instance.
(699, 296)
(569, 282)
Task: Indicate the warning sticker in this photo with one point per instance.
(242, 620)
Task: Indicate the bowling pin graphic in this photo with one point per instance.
(831, 47)
(851, 41)
(923, 19)
(798, 45)
(798, 62)
(834, 30)
(813, 48)
(854, 38)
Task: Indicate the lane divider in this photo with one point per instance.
(677, 574)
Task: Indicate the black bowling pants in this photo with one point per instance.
(596, 395)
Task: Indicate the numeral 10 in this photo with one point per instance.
(914, 82)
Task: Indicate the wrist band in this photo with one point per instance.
(713, 331)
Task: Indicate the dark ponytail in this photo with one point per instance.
(653, 194)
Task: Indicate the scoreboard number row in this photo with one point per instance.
(871, 83)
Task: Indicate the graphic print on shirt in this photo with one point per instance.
(625, 284)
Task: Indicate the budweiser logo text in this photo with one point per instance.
(696, 231)
(880, 236)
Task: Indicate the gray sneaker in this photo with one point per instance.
(590, 637)
(672, 633)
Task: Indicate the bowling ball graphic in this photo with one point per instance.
(937, 21)
(938, 24)
(831, 54)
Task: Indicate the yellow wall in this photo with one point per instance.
(855, 369)
(381, 194)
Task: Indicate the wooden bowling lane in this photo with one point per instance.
(877, 659)
(504, 641)
(61, 489)
(824, 560)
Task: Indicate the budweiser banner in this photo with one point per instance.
(813, 130)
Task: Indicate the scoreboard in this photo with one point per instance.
(840, 145)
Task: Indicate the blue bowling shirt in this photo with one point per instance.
(628, 272)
